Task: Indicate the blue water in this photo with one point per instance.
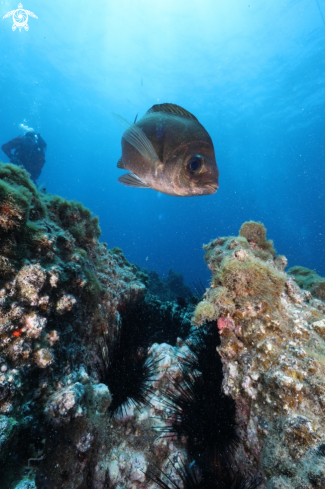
(252, 72)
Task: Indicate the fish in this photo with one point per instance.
(168, 150)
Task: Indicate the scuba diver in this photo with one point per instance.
(29, 152)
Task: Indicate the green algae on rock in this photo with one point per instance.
(309, 280)
(59, 292)
(19, 203)
(59, 296)
(273, 354)
(255, 233)
(73, 216)
(242, 275)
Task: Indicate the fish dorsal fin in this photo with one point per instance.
(123, 122)
(171, 109)
(120, 164)
(132, 180)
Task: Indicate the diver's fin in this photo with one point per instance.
(171, 109)
(135, 136)
(131, 180)
(120, 164)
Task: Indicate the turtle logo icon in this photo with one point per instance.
(20, 18)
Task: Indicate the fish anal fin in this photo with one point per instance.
(171, 109)
(120, 164)
(132, 180)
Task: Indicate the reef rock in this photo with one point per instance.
(309, 280)
(273, 354)
(59, 292)
(63, 296)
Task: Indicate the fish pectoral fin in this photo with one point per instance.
(120, 164)
(137, 138)
(131, 180)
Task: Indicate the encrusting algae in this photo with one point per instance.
(255, 233)
(244, 273)
(309, 280)
(59, 289)
(273, 354)
(63, 296)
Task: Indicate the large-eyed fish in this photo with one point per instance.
(170, 151)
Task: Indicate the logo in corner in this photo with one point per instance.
(20, 18)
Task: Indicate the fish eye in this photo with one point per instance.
(194, 164)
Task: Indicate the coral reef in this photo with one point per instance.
(273, 354)
(65, 303)
(64, 299)
(59, 290)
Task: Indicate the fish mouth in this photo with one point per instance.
(213, 186)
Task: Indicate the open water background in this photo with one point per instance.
(253, 73)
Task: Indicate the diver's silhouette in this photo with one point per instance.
(29, 152)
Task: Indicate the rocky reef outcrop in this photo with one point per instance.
(309, 280)
(273, 354)
(74, 314)
(59, 290)
(170, 289)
